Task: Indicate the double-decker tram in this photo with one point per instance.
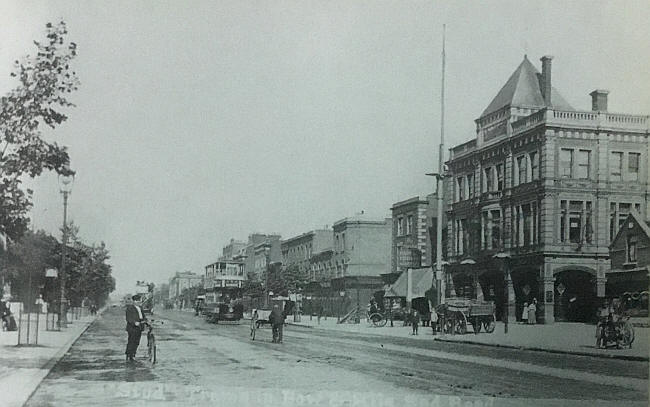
(223, 291)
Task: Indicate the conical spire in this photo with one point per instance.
(523, 90)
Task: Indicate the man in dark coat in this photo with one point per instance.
(134, 320)
(277, 322)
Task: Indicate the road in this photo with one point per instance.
(200, 362)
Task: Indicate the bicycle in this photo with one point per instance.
(152, 350)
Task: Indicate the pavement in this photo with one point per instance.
(23, 367)
(561, 337)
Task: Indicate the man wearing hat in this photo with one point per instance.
(134, 320)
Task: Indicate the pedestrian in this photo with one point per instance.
(532, 312)
(254, 319)
(320, 312)
(524, 314)
(277, 323)
(434, 321)
(134, 326)
(415, 321)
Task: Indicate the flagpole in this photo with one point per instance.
(439, 179)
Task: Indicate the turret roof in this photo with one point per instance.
(523, 90)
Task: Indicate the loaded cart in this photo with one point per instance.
(455, 314)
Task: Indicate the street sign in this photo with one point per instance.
(51, 273)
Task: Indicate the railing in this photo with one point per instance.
(529, 121)
(600, 119)
(588, 119)
(463, 149)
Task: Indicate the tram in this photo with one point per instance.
(223, 292)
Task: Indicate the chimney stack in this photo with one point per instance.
(546, 79)
(599, 100)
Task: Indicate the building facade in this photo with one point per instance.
(362, 247)
(410, 242)
(298, 250)
(232, 249)
(537, 195)
(629, 277)
(181, 281)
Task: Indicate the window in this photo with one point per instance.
(566, 163)
(616, 166)
(409, 224)
(631, 249)
(485, 226)
(633, 167)
(500, 177)
(534, 165)
(612, 220)
(400, 226)
(470, 185)
(583, 160)
(460, 188)
(563, 220)
(496, 229)
(487, 180)
(623, 212)
(575, 221)
(589, 228)
(522, 168)
(460, 237)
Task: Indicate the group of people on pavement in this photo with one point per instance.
(529, 313)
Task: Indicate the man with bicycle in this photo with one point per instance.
(134, 325)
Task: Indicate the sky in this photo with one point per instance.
(201, 121)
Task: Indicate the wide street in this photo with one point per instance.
(200, 362)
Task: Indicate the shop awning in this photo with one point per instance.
(421, 279)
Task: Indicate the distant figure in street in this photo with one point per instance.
(277, 323)
(320, 312)
(254, 319)
(434, 320)
(415, 321)
(134, 320)
(524, 314)
(532, 312)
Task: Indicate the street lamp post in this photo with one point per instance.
(65, 186)
(342, 295)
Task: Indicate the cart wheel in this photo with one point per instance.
(476, 324)
(461, 327)
(489, 325)
(378, 319)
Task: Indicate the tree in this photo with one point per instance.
(45, 80)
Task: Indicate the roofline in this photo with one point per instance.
(415, 199)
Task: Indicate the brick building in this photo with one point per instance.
(629, 277)
(298, 250)
(544, 185)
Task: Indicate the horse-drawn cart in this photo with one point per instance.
(456, 314)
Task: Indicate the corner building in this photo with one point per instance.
(544, 187)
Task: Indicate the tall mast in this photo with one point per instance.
(439, 179)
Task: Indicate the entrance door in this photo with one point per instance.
(526, 289)
(575, 296)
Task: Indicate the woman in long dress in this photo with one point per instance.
(524, 314)
(532, 310)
